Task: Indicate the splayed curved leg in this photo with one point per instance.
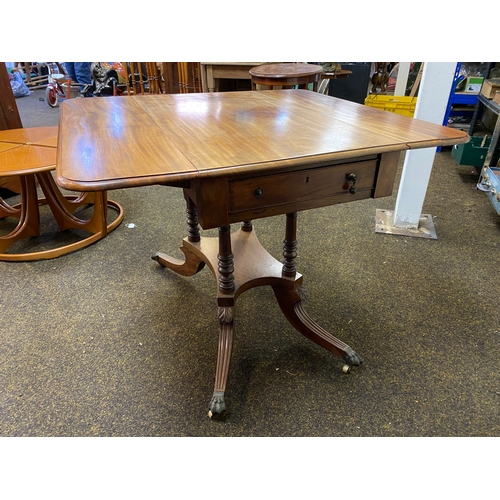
(27, 212)
(291, 304)
(192, 265)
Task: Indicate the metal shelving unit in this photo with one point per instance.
(462, 98)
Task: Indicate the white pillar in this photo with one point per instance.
(402, 79)
(432, 101)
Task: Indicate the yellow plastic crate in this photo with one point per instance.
(402, 105)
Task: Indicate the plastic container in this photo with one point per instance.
(473, 153)
(401, 105)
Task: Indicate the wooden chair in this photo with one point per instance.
(30, 154)
(161, 77)
(189, 74)
(142, 78)
(170, 77)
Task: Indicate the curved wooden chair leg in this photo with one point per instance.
(27, 211)
(62, 208)
(7, 210)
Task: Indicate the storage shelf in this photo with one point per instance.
(461, 99)
(466, 98)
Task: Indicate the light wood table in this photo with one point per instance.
(241, 156)
(211, 72)
(30, 153)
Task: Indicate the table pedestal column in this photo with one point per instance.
(239, 262)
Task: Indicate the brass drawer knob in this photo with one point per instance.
(351, 177)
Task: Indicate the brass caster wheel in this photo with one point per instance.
(346, 368)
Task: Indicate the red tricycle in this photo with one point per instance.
(59, 85)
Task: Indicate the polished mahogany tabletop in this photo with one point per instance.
(285, 70)
(115, 142)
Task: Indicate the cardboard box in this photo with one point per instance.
(497, 97)
(474, 84)
(490, 87)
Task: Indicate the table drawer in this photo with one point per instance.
(302, 186)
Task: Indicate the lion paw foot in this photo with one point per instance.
(217, 404)
(352, 358)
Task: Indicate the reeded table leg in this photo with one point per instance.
(226, 301)
(291, 304)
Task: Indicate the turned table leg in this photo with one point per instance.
(290, 245)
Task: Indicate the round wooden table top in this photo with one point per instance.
(27, 150)
(286, 70)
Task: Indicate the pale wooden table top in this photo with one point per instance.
(27, 150)
(117, 142)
